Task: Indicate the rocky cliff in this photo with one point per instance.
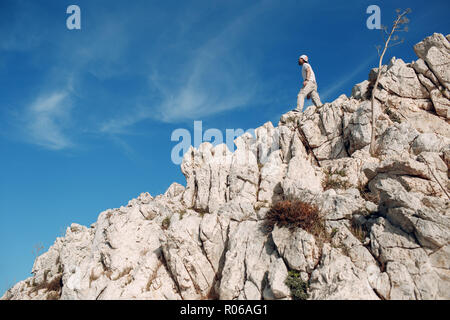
(386, 217)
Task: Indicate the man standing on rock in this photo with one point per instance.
(309, 85)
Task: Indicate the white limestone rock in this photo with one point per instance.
(435, 51)
(429, 142)
(301, 175)
(441, 103)
(298, 248)
(402, 81)
(276, 277)
(358, 130)
(337, 277)
(183, 253)
(247, 258)
(359, 91)
(272, 173)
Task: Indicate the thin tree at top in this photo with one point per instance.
(399, 25)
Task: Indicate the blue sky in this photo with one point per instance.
(86, 115)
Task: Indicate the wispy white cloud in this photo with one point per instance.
(215, 79)
(342, 82)
(206, 94)
(46, 119)
(120, 125)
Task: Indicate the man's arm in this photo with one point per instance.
(308, 75)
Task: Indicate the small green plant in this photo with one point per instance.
(333, 232)
(393, 115)
(332, 180)
(165, 223)
(298, 287)
(341, 172)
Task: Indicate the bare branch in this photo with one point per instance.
(404, 20)
(378, 47)
(396, 43)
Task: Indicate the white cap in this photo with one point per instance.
(304, 57)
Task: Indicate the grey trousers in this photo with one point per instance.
(310, 88)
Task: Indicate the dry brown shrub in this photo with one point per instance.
(297, 214)
(55, 284)
(53, 287)
(293, 214)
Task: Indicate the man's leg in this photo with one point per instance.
(315, 97)
(302, 94)
(300, 100)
